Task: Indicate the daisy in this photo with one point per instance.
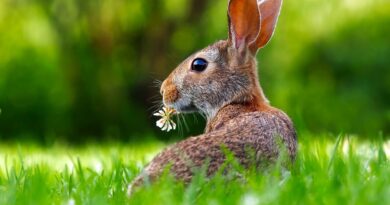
(166, 123)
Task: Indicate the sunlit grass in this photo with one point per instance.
(338, 171)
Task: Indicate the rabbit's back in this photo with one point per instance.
(254, 137)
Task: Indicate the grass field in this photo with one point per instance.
(343, 170)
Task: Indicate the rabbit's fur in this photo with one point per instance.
(228, 92)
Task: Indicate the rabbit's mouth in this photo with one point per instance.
(184, 106)
(188, 108)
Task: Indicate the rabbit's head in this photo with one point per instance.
(225, 72)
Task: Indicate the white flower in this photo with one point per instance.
(166, 123)
(250, 199)
(71, 201)
(98, 166)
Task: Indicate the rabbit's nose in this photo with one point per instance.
(169, 91)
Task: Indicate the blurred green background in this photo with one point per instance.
(79, 70)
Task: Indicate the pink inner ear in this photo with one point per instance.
(244, 22)
(269, 10)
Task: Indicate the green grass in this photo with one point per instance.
(338, 171)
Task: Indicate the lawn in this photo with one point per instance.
(342, 170)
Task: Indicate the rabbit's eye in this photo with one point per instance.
(199, 65)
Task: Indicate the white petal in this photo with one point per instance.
(157, 114)
(160, 123)
(173, 125)
(165, 127)
(169, 126)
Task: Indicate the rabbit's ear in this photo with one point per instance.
(244, 23)
(269, 13)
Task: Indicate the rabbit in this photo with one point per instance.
(221, 82)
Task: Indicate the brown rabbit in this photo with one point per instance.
(221, 81)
